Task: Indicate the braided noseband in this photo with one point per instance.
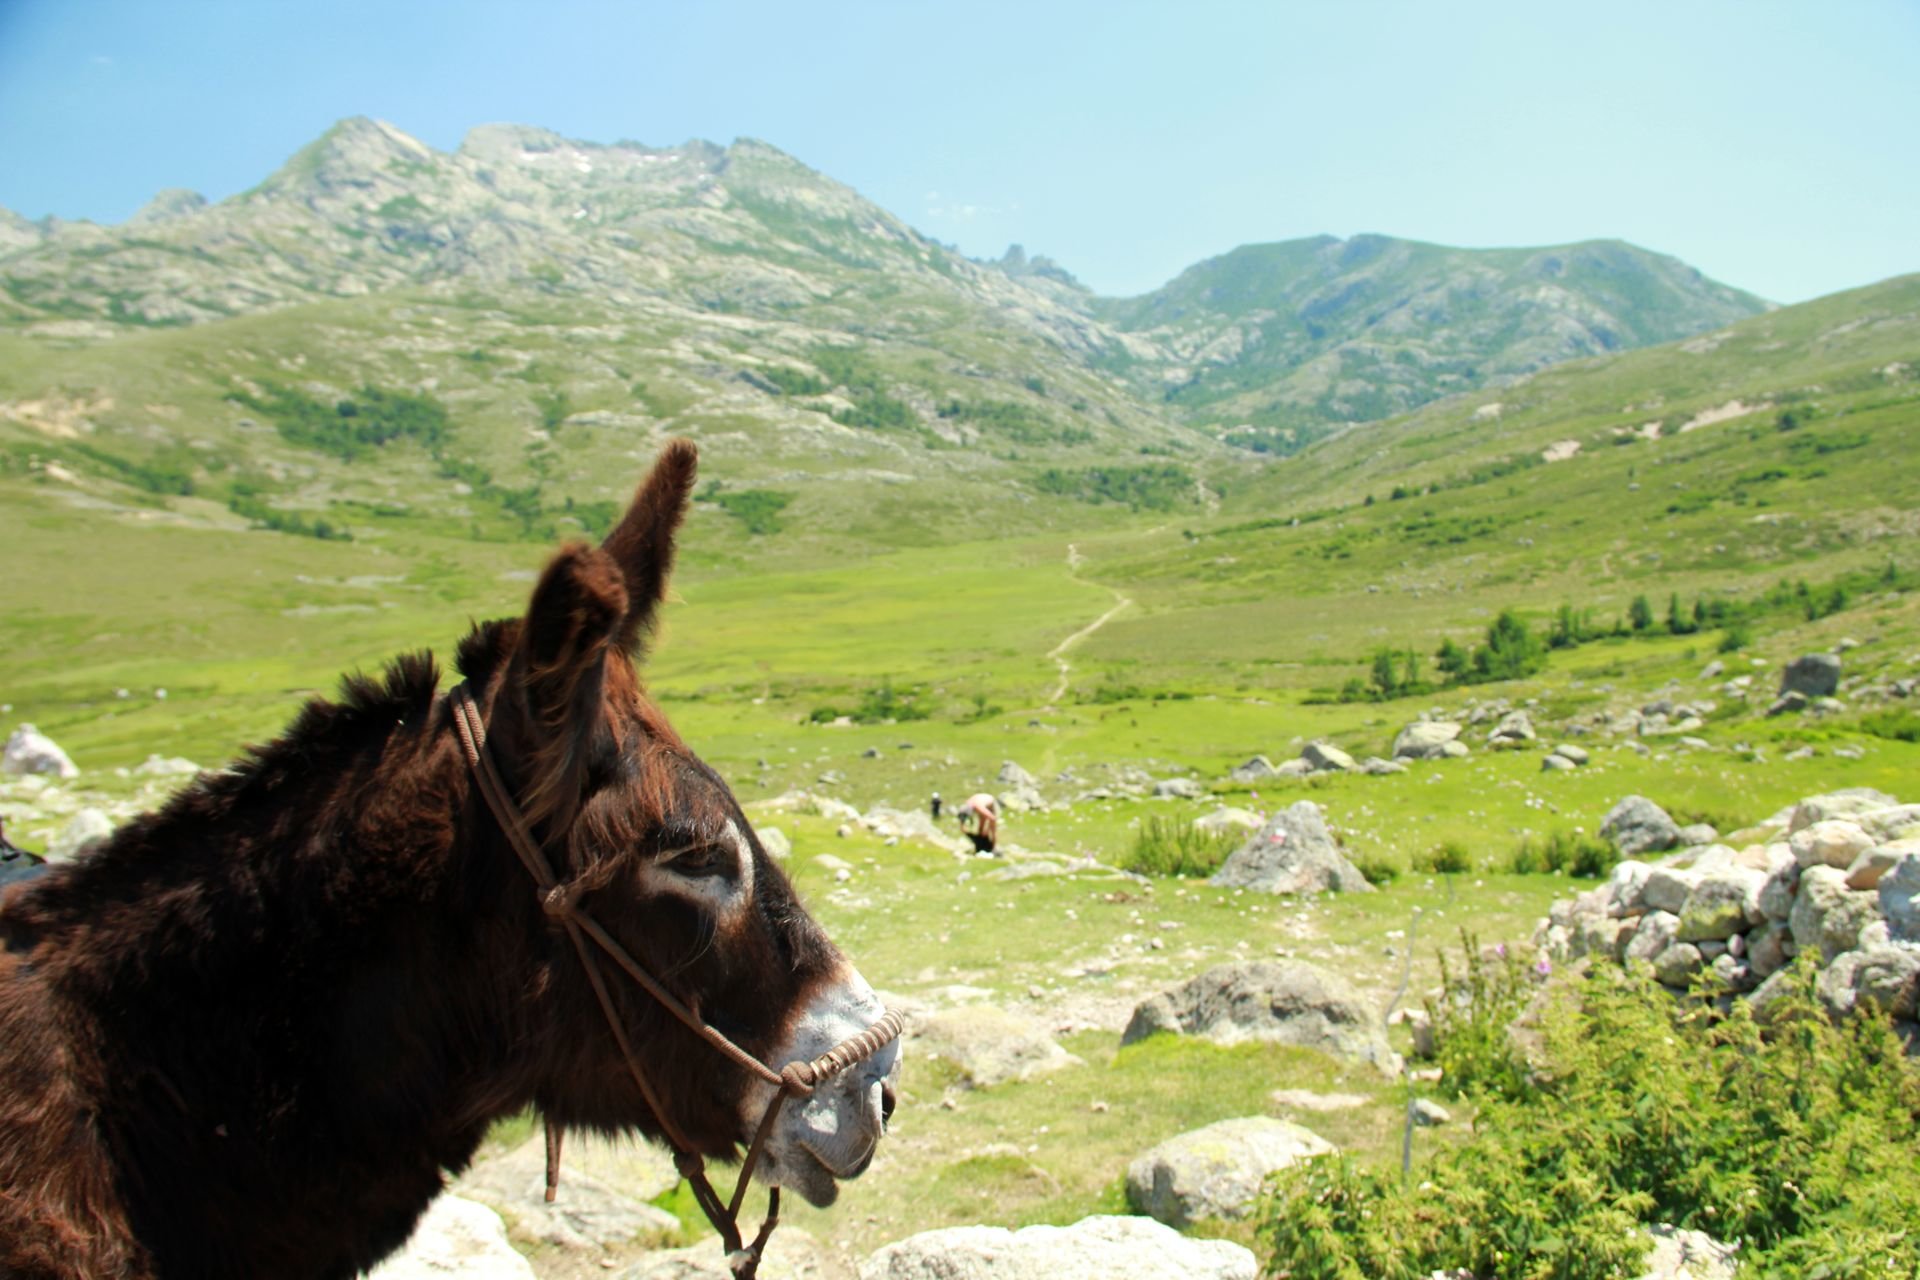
(795, 1080)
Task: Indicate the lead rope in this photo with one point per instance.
(795, 1080)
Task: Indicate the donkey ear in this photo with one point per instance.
(642, 543)
(577, 611)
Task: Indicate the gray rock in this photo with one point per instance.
(1294, 768)
(1668, 888)
(987, 1045)
(1217, 1172)
(1308, 1100)
(1885, 979)
(1425, 740)
(1676, 966)
(1787, 704)
(1766, 949)
(1570, 752)
(775, 842)
(1899, 892)
(1258, 769)
(1813, 675)
(158, 766)
(1288, 1001)
(1895, 822)
(1102, 1248)
(1377, 767)
(1515, 729)
(1013, 775)
(1227, 818)
(1834, 842)
(1827, 916)
(1293, 853)
(1698, 833)
(1626, 888)
(1179, 789)
(1326, 758)
(457, 1239)
(1637, 825)
(1556, 764)
(1871, 867)
(85, 831)
(1777, 894)
(1688, 1255)
(1653, 936)
(1430, 1114)
(1455, 750)
(1721, 905)
(604, 1189)
(30, 751)
(1848, 802)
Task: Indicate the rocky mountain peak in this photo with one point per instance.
(174, 202)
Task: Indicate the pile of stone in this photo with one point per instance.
(1834, 879)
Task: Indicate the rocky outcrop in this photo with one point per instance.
(1102, 1248)
(1833, 894)
(1814, 675)
(1290, 1002)
(1218, 1171)
(1293, 853)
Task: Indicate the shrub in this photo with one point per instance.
(1447, 858)
(1174, 847)
(1573, 852)
(1897, 723)
(1797, 1143)
(1377, 868)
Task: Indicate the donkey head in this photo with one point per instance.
(660, 854)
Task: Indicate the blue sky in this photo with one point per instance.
(1774, 146)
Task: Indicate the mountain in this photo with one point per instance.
(1292, 338)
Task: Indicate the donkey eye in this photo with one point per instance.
(702, 860)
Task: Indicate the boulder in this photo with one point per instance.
(1653, 936)
(1827, 916)
(85, 831)
(1294, 768)
(1514, 730)
(775, 842)
(1871, 867)
(1695, 834)
(1100, 1248)
(988, 1046)
(1676, 966)
(1425, 740)
(1668, 888)
(1885, 979)
(1637, 825)
(1723, 904)
(1293, 853)
(1570, 752)
(1766, 949)
(604, 1189)
(1813, 675)
(1899, 893)
(1258, 769)
(1777, 894)
(1556, 764)
(1377, 767)
(1217, 1172)
(1178, 789)
(1326, 758)
(1834, 842)
(1895, 822)
(1012, 775)
(30, 751)
(1626, 889)
(457, 1239)
(1289, 1001)
(1455, 750)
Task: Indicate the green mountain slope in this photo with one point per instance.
(1291, 338)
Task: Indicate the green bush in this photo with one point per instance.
(1573, 852)
(1174, 847)
(1797, 1143)
(1897, 723)
(1447, 858)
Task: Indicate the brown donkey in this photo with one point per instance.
(249, 1036)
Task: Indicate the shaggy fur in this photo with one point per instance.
(248, 1036)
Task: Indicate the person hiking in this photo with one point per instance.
(935, 806)
(983, 812)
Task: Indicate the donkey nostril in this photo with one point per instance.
(886, 1101)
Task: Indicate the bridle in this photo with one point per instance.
(794, 1080)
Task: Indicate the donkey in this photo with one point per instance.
(252, 1034)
